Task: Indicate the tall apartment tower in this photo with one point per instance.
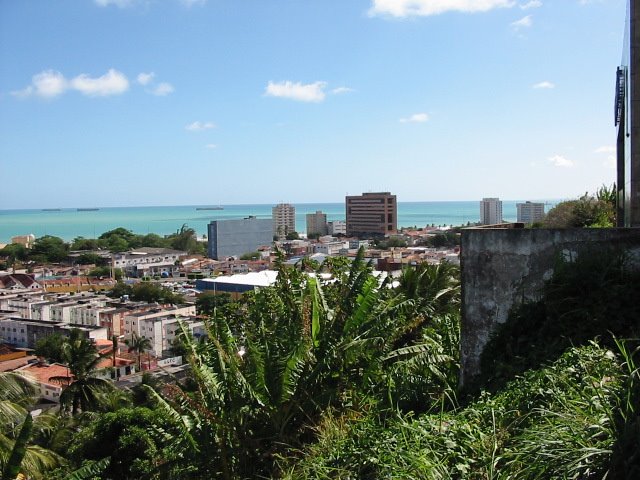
(530, 212)
(284, 219)
(372, 214)
(316, 223)
(490, 211)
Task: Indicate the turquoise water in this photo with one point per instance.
(69, 223)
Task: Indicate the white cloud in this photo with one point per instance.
(524, 22)
(111, 83)
(531, 4)
(211, 146)
(415, 118)
(606, 149)
(145, 78)
(407, 8)
(560, 161)
(546, 85)
(310, 92)
(117, 3)
(339, 90)
(162, 89)
(198, 126)
(49, 84)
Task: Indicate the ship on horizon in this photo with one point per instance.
(87, 209)
(219, 207)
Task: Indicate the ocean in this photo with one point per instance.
(69, 223)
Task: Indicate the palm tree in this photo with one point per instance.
(17, 453)
(139, 345)
(83, 383)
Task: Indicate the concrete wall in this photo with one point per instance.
(500, 267)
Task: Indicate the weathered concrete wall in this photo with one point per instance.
(504, 266)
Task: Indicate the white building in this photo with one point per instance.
(530, 212)
(152, 325)
(149, 261)
(330, 248)
(490, 211)
(337, 227)
(284, 219)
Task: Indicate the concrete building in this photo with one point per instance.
(284, 219)
(25, 240)
(337, 227)
(530, 212)
(228, 238)
(490, 211)
(148, 261)
(24, 333)
(371, 214)
(317, 223)
(627, 111)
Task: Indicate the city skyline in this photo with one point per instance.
(195, 102)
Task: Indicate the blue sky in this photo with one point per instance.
(180, 102)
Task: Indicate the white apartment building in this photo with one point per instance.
(148, 261)
(90, 314)
(490, 211)
(284, 219)
(152, 324)
(530, 212)
(337, 227)
(330, 248)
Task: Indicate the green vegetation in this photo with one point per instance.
(352, 378)
(50, 249)
(250, 256)
(146, 292)
(592, 211)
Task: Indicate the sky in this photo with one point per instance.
(200, 102)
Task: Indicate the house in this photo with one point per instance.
(19, 281)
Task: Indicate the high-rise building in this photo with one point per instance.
(284, 219)
(229, 238)
(317, 223)
(372, 214)
(490, 211)
(530, 212)
(627, 119)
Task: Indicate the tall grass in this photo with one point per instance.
(556, 422)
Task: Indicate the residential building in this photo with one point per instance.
(148, 261)
(25, 333)
(329, 248)
(317, 223)
(490, 211)
(150, 324)
(19, 281)
(530, 212)
(229, 238)
(337, 227)
(25, 240)
(371, 214)
(284, 219)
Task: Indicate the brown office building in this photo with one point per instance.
(372, 214)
